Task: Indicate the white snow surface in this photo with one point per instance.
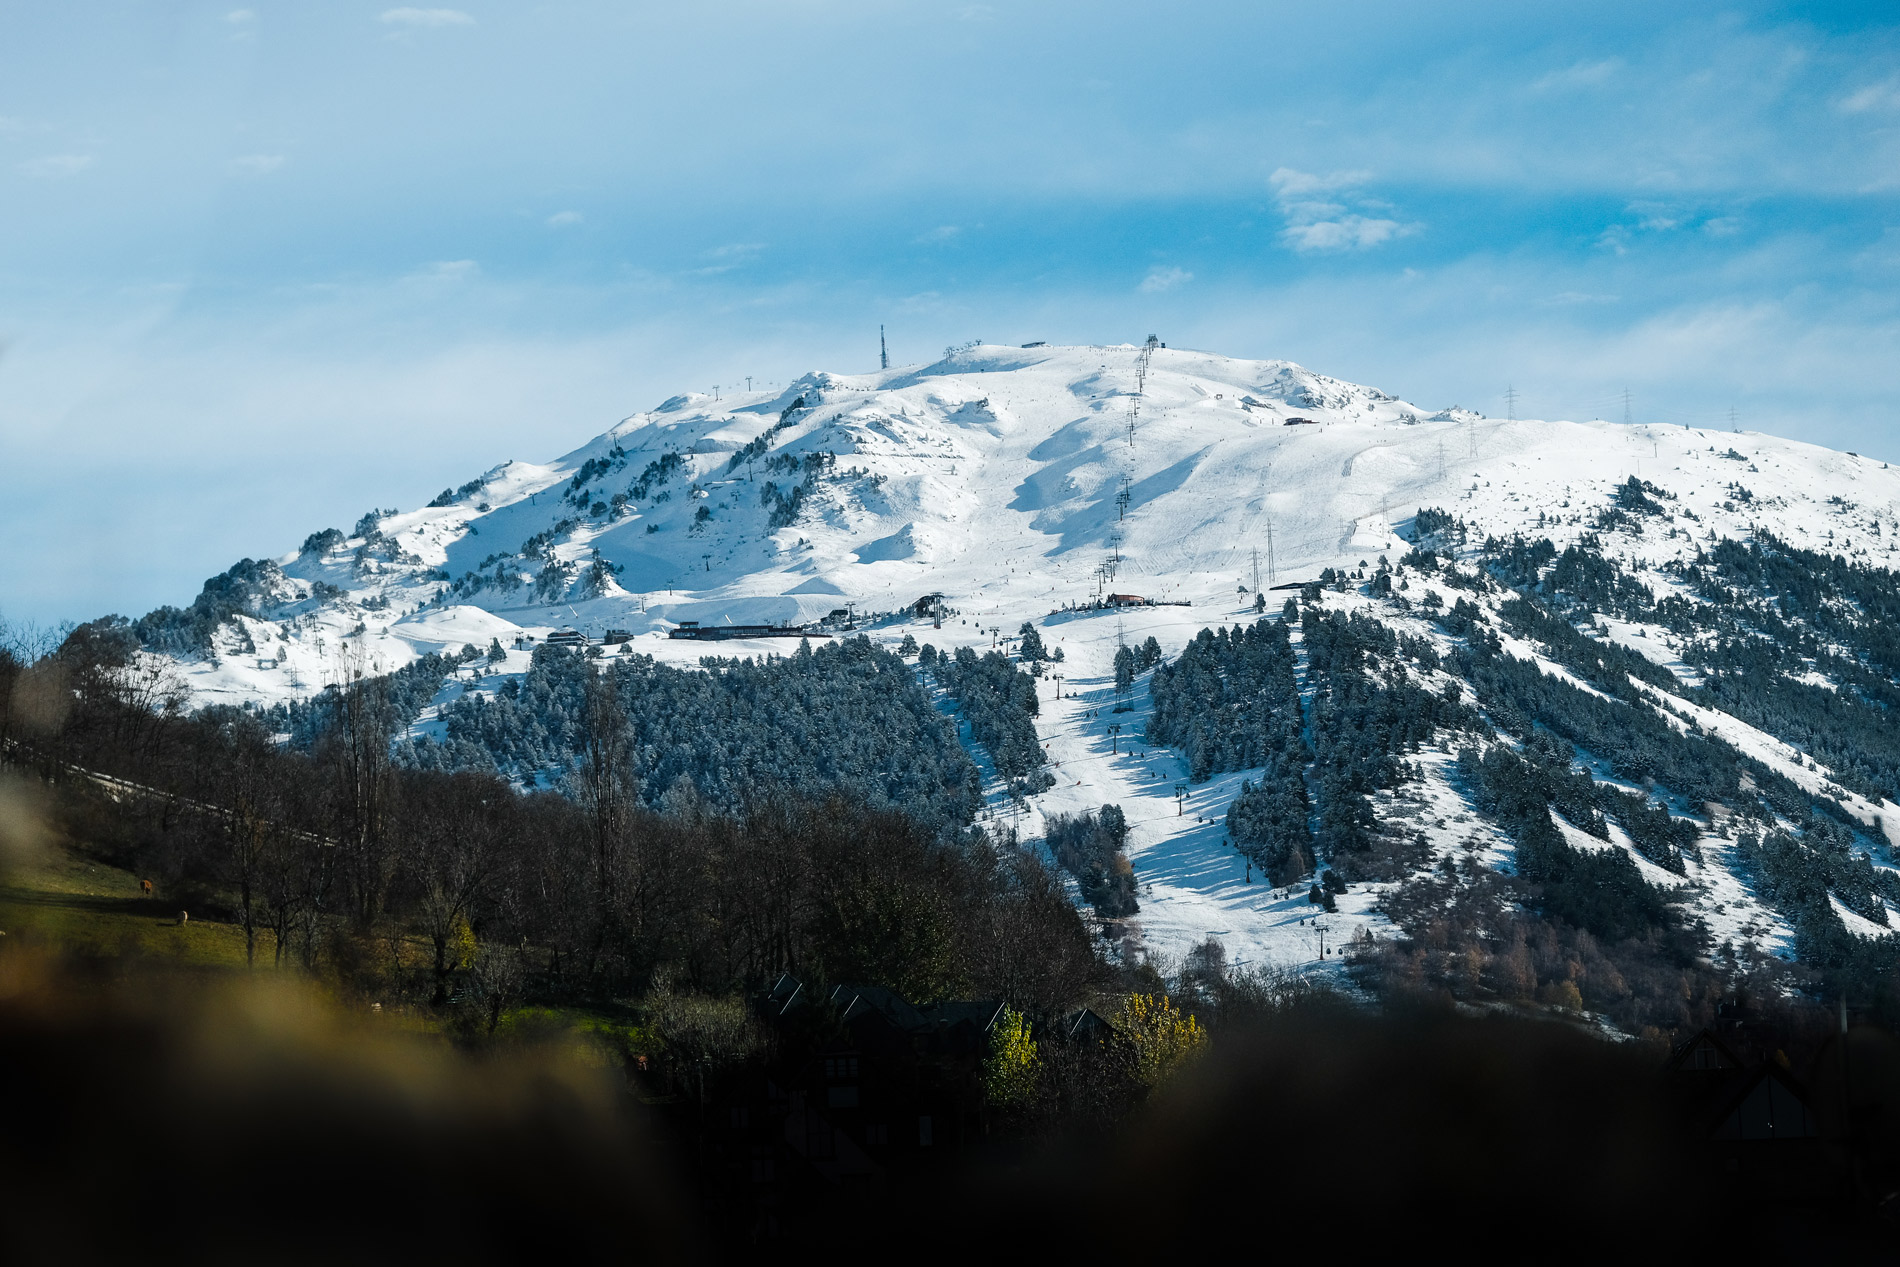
(994, 478)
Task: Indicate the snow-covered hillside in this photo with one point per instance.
(1025, 484)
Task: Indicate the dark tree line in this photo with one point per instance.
(1769, 615)
(1369, 712)
(332, 855)
(245, 589)
(999, 702)
(847, 718)
(1230, 701)
(1598, 890)
(1089, 847)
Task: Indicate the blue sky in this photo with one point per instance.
(263, 268)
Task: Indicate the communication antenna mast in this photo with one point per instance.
(883, 351)
(1510, 403)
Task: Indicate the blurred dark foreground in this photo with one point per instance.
(1497, 1140)
(146, 1115)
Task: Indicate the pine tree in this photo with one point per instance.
(1032, 648)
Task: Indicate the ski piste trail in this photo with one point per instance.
(1008, 480)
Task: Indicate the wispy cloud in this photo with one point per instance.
(240, 17)
(1346, 233)
(450, 270)
(425, 17)
(728, 257)
(1659, 218)
(1160, 279)
(561, 219)
(1881, 96)
(1320, 215)
(1581, 75)
(56, 166)
(257, 164)
(942, 233)
(1289, 184)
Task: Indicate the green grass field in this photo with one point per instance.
(68, 900)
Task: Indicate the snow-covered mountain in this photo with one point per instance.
(994, 477)
(1026, 484)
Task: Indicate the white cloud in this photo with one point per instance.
(1881, 96)
(450, 270)
(561, 219)
(425, 17)
(56, 166)
(1346, 233)
(1160, 279)
(1581, 75)
(1615, 239)
(257, 164)
(238, 17)
(1288, 183)
(942, 233)
(1315, 223)
(728, 257)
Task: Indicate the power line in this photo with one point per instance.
(1141, 384)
